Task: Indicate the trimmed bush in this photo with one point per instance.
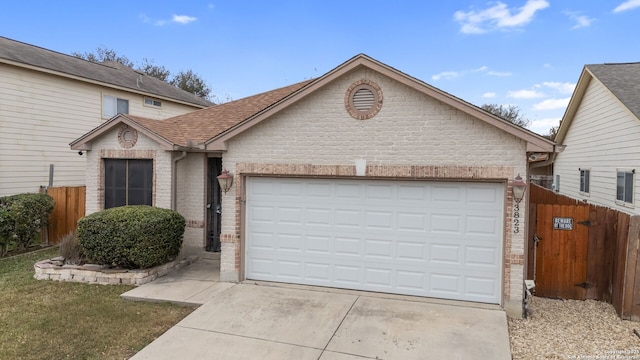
(21, 218)
(133, 237)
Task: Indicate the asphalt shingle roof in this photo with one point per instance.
(109, 73)
(623, 80)
(202, 125)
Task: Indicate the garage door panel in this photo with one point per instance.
(347, 275)
(378, 220)
(411, 222)
(417, 238)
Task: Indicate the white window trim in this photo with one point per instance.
(144, 102)
(585, 193)
(633, 194)
(116, 98)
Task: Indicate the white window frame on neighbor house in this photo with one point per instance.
(585, 181)
(151, 102)
(625, 195)
(112, 105)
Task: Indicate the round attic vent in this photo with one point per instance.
(363, 99)
(127, 137)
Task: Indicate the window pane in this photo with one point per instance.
(114, 183)
(108, 106)
(620, 186)
(123, 106)
(587, 175)
(628, 187)
(140, 182)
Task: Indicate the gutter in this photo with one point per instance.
(174, 180)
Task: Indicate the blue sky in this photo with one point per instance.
(527, 53)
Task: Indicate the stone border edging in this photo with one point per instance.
(99, 274)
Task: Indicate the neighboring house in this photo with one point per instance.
(365, 178)
(601, 133)
(48, 99)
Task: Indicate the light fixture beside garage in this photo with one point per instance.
(225, 180)
(518, 186)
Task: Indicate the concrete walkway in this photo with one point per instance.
(273, 321)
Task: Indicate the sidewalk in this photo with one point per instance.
(192, 285)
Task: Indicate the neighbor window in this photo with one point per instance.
(624, 188)
(584, 180)
(128, 182)
(112, 105)
(152, 102)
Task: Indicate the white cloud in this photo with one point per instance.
(489, 95)
(183, 19)
(562, 88)
(445, 75)
(627, 5)
(499, 73)
(498, 16)
(542, 126)
(179, 19)
(581, 20)
(552, 104)
(525, 94)
(547, 66)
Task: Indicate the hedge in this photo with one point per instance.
(137, 236)
(21, 218)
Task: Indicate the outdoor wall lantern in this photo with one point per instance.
(225, 180)
(518, 187)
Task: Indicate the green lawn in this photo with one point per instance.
(59, 320)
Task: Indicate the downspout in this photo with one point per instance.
(174, 181)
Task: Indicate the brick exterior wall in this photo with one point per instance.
(191, 177)
(413, 137)
(107, 146)
(191, 174)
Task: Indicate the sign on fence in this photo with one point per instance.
(562, 223)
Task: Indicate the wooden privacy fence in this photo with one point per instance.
(583, 251)
(68, 208)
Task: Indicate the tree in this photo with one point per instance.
(185, 80)
(102, 55)
(511, 113)
(156, 71)
(191, 82)
(553, 132)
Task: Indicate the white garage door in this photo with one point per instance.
(435, 239)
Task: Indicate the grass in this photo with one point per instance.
(59, 320)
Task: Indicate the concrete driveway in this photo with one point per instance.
(249, 321)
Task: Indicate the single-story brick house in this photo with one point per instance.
(364, 178)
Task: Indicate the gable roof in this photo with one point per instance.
(110, 74)
(621, 79)
(211, 128)
(193, 129)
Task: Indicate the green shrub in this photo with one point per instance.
(21, 218)
(138, 236)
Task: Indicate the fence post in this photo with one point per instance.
(628, 310)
